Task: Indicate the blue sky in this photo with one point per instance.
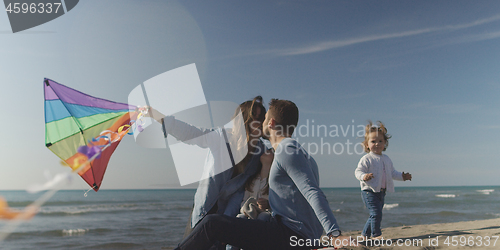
(428, 69)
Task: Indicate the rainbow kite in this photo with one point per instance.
(83, 130)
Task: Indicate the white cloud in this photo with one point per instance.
(479, 37)
(328, 45)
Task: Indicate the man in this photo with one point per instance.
(300, 208)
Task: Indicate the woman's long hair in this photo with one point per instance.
(249, 113)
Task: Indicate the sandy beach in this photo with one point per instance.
(480, 234)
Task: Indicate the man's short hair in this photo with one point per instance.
(285, 113)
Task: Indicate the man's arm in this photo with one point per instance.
(297, 166)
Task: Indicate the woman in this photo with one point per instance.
(214, 193)
(255, 203)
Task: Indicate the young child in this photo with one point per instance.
(375, 173)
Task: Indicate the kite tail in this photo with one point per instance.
(80, 166)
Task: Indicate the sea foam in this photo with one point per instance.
(72, 232)
(390, 206)
(446, 195)
(486, 191)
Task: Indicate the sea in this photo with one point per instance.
(156, 219)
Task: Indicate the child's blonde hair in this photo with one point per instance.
(379, 128)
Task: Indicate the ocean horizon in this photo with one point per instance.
(194, 188)
(156, 218)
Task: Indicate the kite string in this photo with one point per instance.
(85, 194)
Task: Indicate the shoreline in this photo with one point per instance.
(456, 235)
